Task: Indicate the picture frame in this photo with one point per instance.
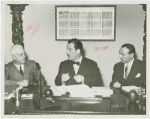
(86, 22)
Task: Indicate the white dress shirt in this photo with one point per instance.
(129, 66)
(76, 67)
(18, 67)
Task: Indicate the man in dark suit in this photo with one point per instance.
(130, 71)
(21, 71)
(78, 69)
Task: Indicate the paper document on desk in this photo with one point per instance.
(103, 91)
(9, 96)
(81, 90)
(74, 90)
(58, 90)
(26, 96)
(129, 88)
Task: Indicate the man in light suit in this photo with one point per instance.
(21, 71)
(130, 71)
(78, 69)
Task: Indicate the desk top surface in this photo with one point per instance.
(68, 105)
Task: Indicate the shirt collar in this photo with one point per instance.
(18, 67)
(130, 63)
(80, 59)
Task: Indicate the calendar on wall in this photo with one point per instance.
(93, 23)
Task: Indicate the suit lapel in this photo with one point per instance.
(26, 71)
(81, 65)
(133, 71)
(71, 69)
(16, 72)
(122, 70)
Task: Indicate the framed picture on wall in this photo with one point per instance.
(89, 23)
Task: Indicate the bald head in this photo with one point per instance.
(18, 54)
(15, 48)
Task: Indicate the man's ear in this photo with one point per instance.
(132, 55)
(78, 51)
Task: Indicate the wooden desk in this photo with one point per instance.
(66, 107)
(69, 107)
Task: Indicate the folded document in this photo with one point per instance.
(74, 90)
(58, 90)
(27, 96)
(129, 88)
(80, 91)
(103, 91)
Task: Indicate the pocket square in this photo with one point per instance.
(138, 75)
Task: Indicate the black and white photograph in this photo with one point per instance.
(74, 59)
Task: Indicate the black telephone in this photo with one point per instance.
(45, 99)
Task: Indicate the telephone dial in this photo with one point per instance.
(42, 96)
(44, 99)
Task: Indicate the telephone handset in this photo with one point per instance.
(45, 100)
(44, 97)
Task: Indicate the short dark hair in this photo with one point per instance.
(130, 47)
(77, 44)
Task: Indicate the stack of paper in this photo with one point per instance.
(129, 88)
(26, 96)
(74, 90)
(103, 91)
(58, 90)
(80, 91)
(9, 96)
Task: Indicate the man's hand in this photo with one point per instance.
(117, 85)
(65, 77)
(79, 78)
(23, 83)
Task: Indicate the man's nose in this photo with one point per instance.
(120, 56)
(23, 56)
(67, 51)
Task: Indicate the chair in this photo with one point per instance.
(117, 103)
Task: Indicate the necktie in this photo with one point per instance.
(78, 63)
(21, 71)
(126, 72)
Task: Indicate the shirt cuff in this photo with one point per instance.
(63, 82)
(83, 80)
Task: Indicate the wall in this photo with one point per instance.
(40, 44)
